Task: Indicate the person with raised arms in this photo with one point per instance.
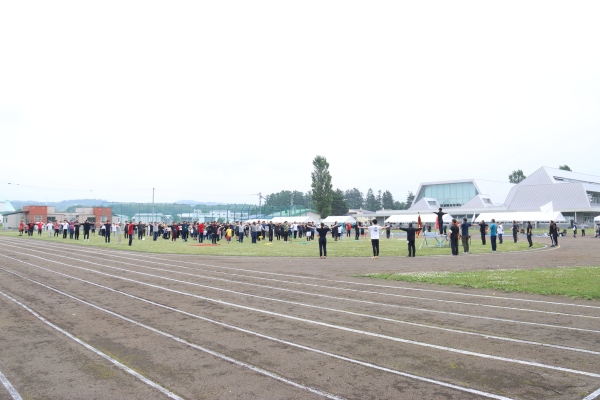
(322, 233)
(374, 230)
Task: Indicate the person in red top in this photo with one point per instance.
(201, 228)
(130, 229)
(21, 227)
(40, 227)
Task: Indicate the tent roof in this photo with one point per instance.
(425, 217)
(342, 218)
(298, 219)
(597, 219)
(256, 220)
(521, 216)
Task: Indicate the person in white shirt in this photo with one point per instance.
(374, 230)
(116, 230)
(65, 227)
(49, 228)
(295, 229)
(500, 231)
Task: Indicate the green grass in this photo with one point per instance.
(575, 282)
(348, 247)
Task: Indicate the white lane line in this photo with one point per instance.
(271, 338)
(325, 296)
(592, 396)
(456, 331)
(11, 390)
(142, 255)
(332, 287)
(183, 341)
(98, 352)
(327, 325)
(486, 336)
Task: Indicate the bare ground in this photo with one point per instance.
(286, 328)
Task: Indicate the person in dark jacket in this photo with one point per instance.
(107, 226)
(410, 237)
(483, 231)
(529, 233)
(454, 233)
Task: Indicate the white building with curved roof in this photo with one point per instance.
(575, 195)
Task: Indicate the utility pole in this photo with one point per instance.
(260, 197)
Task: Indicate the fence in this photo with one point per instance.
(173, 212)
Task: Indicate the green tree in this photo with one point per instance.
(73, 207)
(322, 189)
(283, 199)
(387, 200)
(354, 198)
(564, 167)
(370, 201)
(399, 205)
(410, 197)
(516, 176)
(338, 204)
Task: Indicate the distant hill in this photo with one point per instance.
(194, 202)
(60, 205)
(63, 205)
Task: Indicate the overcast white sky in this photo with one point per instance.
(219, 100)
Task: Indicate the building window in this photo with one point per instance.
(37, 218)
(449, 194)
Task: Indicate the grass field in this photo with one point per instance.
(575, 282)
(347, 247)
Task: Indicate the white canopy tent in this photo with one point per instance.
(250, 221)
(533, 216)
(546, 213)
(425, 218)
(302, 219)
(340, 219)
(597, 219)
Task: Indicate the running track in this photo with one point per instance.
(90, 323)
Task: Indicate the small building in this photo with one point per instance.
(6, 207)
(49, 213)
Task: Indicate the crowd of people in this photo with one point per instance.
(256, 231)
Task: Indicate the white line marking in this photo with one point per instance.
(344, 299)
(321, 295)
(98, 352)
(337, 310)
(233, 327)
(592, 396)
(180, 340)
(327, 325)
(143, 255)
(11, 390)
(332, 287)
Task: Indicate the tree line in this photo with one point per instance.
(327, 201)
(341, 200)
